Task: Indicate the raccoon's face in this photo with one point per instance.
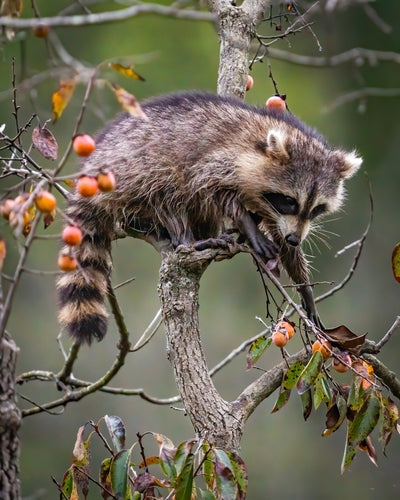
(293, 218)
(299, 180)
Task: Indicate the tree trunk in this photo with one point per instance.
(236, 31)
(10, 421)
(211, 416)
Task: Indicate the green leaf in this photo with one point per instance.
(184, 482)
(349, 454)
(224, 475)
(181, 455)
(306, 401)
(208, 466)
(292, 375)
(116, 429)
(396, 262)
(387, 421)
(322, 391)
(283, 398)
(167, 455)
(355, 399)
(67, 483)
(310, 373)
(240, 474)
(365, 420)
(104, 477)
(119, 473)
(257, 349)
(361, 427)
(207, 495)
(335, 415)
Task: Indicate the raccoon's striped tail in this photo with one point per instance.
(82, 293)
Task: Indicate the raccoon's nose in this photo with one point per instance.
(292, 239)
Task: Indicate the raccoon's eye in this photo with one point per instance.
(318, 210)
(285, 205)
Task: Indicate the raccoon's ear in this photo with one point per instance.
(350, 164)
(276, 144)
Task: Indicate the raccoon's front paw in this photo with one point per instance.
(265, 247)
(223, 242)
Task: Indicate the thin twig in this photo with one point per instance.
(360, 245)
(149, 333)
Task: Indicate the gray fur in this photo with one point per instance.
(198, 163)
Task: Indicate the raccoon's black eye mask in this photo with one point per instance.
(285, 205)
(318, 210)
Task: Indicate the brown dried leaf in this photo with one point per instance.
(45, 142)
(48, 218)
(344, 338)
(128, 102)
(79, 452)
(61, 97)
(369, 449)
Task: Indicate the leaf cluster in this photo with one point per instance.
(190, 470)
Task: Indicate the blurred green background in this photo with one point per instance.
(286, 458)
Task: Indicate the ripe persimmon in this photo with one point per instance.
(339, 366)
(249, 83)
(6, 207)
(72, 235)
(87, 186)
(41, 31)
(280, 338)
(285, 327)
(83, 144)
(324, 347)
(276, 103)
(67, 262)
(106, 181)
(45, 202)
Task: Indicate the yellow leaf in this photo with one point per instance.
(396, 262)
(128, 102)
(70, 182)
(3, 252)
(149, 461)
(61, 97)
(127, 71)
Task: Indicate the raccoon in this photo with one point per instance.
(197, 165)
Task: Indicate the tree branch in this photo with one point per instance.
(264, 386)
(107, 17)
(357, 55)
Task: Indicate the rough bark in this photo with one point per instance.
(10, 421)
(211, 416)
(236, 30)
(235, 34)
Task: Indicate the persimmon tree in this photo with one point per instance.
(210, 462)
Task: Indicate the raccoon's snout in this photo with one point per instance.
(292, 239)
